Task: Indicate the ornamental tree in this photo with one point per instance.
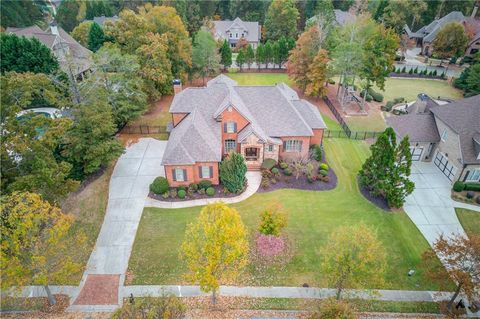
(353, 258)
(281, 19)
(232, 172)
(272, 220)
(81, 31)
(450, 41)
(205, 56)
(34, 248)
(317, 75)
(460, 258)
(385, 173)
(215, 247)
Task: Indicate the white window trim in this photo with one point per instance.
(207, 175)
(233, 148)
(293, 146)
(444, 135)
(473, 176)
(178, 174)
(270, 148)
(230, 127)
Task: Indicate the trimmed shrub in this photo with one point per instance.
(269, 163)
(311, 178)
(204, 184)
(472, 187)
(326, 179)
(232, 172)
(323, 166)
(210, 191)
(323, 172)
(410, 71)
(287, 171)
(181, 193)
(330, 81)
(283, 165)
(182, 188)
(193, 187)
(173, 193)
(458, 186)
(272, 220)
(470, 194)
(275, 171)
(404, 70)
(375, 95)
(317, 152)
(159, 186)
(265, 183)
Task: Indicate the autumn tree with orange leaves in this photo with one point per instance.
(317, 75)
(460, 257)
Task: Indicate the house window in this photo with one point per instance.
(236, 35)
(444, 135)
(251, 153)
(179, 175)
(473, 176)
(230, 35)
(230, 145)
(230, 127)
(292, 146)
(242, 35)
(206, 172)
(270, 148)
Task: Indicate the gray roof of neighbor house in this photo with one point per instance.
(430, 31)
(418, 127)
(463, 117)
(101, 20)
(272, 112)
(343, 17)
(253, 32)
(80, 56)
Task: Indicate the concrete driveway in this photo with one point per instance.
(430, 206)
(129, 186)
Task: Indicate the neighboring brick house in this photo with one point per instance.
(258, 122)
(448, 135)
(233, 31)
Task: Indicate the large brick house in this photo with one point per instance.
(233, 31)
(258, 122)
(448, 135)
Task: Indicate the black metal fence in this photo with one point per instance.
(144, 129)
(354, 135)
(337, 115)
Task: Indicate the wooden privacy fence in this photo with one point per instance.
(337, 115)
(354, 135)
(144, 129)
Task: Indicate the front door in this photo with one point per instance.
(251, 153)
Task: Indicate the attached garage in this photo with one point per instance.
(445, 166)
(416, 153)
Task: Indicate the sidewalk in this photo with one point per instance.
(254, 179)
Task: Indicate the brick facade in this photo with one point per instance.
(192, 172)
(177, 118)
(295, 155)
(317, 137)
(232, 115)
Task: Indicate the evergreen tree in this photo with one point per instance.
(268, 54)
(276, 54)
(283, 50)
(96, 37)
(226, 55)
(260, 55)
(249, 56)
(385, 173)
(25, 55)
(20, 13)
(240, 59)
(67, 14)
(205, 58)
(343, 5)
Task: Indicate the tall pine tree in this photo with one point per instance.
(226, 55)
(96, 37)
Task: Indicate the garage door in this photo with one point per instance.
(416, 153)
(447, 168)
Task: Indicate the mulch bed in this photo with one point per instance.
(378, 201)
(290, 182)
(219, 193)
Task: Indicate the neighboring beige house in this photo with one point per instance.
(233, 31)
(71, 55)
(448, 135)
(427, 34)
(258, 122)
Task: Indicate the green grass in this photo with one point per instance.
(259, 78)
(312, 217)
(410, 88)
(374, 122)
(470, 220)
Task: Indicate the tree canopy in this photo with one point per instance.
(215, 247)
(96, 37)
(205, 56)
(450, 41)
(21, 54)
(281, 19)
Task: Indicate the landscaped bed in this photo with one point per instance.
(312, 217)
(193, 192)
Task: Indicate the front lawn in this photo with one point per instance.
(470, 220)
(312, 217)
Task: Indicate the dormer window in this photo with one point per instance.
(236, 35)
(230, 34)
(444, 135)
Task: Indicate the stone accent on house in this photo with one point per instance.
(252, 142)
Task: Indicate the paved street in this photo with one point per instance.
(430, 206)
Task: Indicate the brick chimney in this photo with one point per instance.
(421, 103)
(177, 86)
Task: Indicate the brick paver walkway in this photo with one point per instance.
(99, 290)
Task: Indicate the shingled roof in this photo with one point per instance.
(272, 112)
(252, 29)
